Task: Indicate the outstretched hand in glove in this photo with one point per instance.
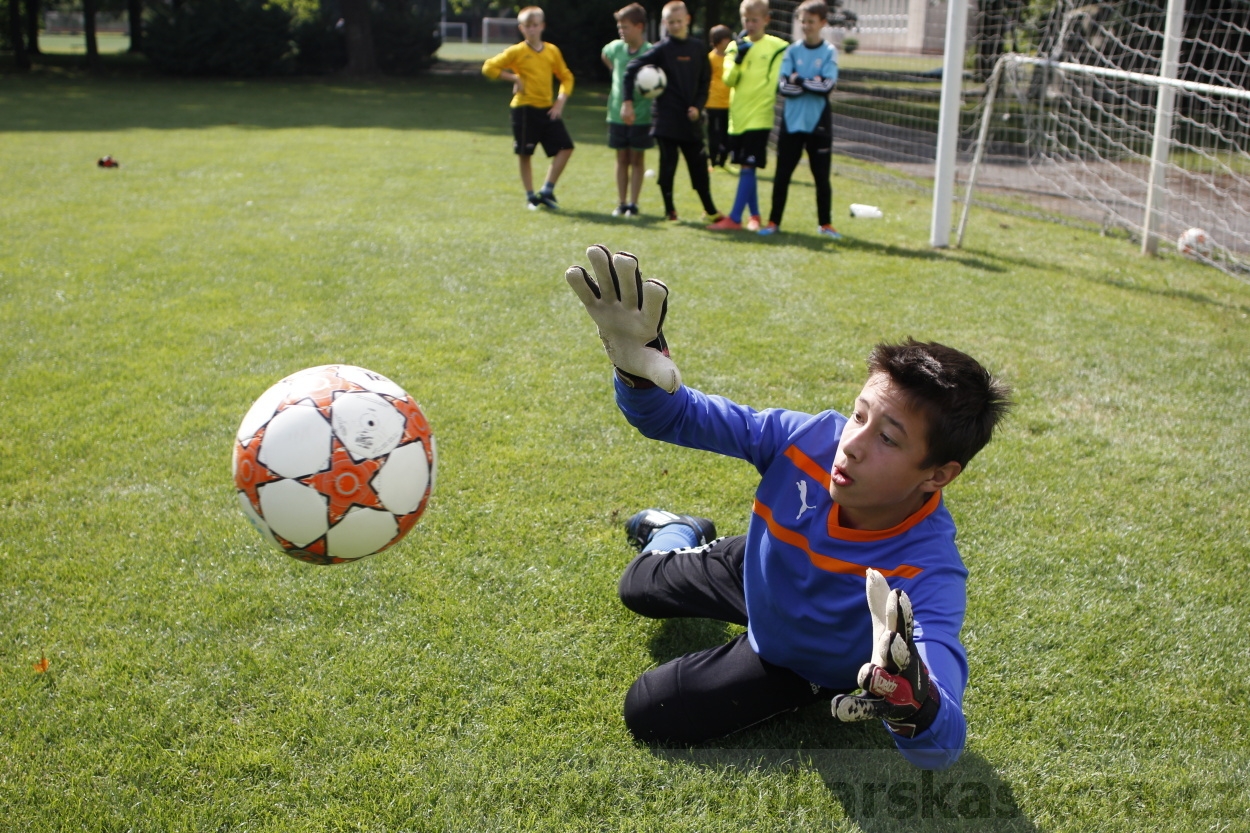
(629, 312)
(895, 683)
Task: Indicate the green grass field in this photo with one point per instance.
(107, 43)
(471, 678)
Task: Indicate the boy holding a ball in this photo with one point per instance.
(677, 115)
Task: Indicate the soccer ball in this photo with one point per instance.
(650, 82)
(1194, 242)
(334, 463)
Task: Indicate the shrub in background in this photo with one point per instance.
(256, 37)
(405, 35)
(320, 45)
(219, 37)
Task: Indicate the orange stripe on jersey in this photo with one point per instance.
(825, 562)
(809, 466)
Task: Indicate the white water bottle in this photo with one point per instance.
(868, 212)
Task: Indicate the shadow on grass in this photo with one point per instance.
(876, 788)
(813, 243)
(676, 637)
(858, 763)
(1178, 294)
(60, 96)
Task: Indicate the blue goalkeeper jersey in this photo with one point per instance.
(804, 572)
(805, 101)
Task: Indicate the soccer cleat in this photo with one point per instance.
(671, 216)
(725, 224)
(621, 210)
(771, 228)
(631, 210)
(533, 203)
(830, 232)
(713, 218)
(548, 199)
(731, 169)
(753, 224)
(643, 525)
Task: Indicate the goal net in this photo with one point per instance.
(500, 30)
(1110, 121)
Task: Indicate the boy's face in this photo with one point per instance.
(630, 32)
(754, 23)
(877, 478)
(532, 30)
(677, 22)
(811, 25)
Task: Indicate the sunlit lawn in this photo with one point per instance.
(472, 677)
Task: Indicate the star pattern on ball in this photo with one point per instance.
(307, 427)
(322, 397)
(346, 483)
(416, 427)
(250, 472)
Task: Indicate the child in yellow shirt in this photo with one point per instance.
(536, 118)
(717, 106)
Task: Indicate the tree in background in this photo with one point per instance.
(89, 8)
(13, 37)
(134, 19)
(362, 58)
(32, 26)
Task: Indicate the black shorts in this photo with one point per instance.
(709, 693)
(750, 148)
(630, 136)
(531, 127)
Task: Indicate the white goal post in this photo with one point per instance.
(500, 30)
(461, 30)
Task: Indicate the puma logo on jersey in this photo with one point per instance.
(804, 505)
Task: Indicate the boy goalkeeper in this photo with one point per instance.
(844, 502)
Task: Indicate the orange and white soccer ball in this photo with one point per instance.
(1194, 242)
(334, 463)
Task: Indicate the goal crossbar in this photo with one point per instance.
(1125, 75)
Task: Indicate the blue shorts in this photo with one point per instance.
(531, 127)
(630, 136)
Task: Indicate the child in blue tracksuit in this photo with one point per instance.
(841, 499)
(809, 70)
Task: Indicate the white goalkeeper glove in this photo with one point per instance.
(629, 312)
(895, 683)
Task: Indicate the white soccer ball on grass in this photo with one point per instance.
(1194, 242)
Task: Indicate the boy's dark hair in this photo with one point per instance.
(959, 399)
(633, 13)
(720, 32)
(819, 8)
